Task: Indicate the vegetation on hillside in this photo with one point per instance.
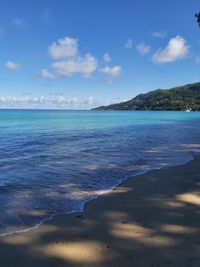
(185, 97)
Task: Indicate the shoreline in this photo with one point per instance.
(82, 210)
(118, 228)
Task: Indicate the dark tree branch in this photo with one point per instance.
(197, 15)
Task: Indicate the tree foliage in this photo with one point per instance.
(197, 16)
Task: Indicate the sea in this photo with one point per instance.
(54, 161)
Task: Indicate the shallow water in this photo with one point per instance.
(52, 162)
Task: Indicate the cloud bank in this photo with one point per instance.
(43, 101)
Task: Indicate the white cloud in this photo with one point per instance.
(128, 44)
(143, 49)
(18, 22)
(81, 65)
(111, 73)
(64, 48)
(107, 57)
(176, 49)
(69, 62)
(46, 74)
(159, 34)
(11, 65)
(43, 101)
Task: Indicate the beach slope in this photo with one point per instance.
(152, 220)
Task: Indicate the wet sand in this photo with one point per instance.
(151, 220)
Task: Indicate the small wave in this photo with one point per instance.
(92, 196)
(68, 168)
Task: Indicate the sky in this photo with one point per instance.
(79, 54)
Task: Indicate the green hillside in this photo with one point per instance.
(178, 98)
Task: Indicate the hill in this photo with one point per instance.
(177, 98)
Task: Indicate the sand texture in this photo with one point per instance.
(151, 220)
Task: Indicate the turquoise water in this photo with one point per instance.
(47, 120)
(52, 162)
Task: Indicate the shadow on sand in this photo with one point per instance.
(149, 221)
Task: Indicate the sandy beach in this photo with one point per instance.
(151, 220)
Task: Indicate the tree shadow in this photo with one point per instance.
(149, 221)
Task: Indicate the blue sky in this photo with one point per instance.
(84, 53)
